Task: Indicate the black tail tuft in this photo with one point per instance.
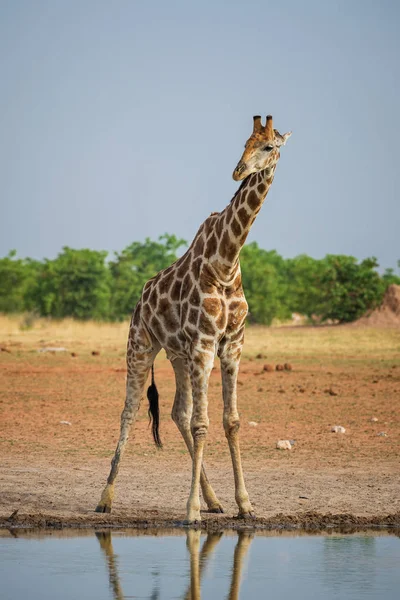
(154, 411)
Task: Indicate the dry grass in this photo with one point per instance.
(298, 343)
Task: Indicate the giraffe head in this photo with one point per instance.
(261, 150)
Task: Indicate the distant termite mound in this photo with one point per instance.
(388, 313)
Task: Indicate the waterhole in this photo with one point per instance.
(192, 565)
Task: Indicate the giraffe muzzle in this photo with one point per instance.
(237, 173)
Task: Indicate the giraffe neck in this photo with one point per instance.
(234, 222)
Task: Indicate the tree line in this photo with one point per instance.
(87, 284)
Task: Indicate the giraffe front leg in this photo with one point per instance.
(138, 369)
(181, 415)
(200, 369)
(229, 368)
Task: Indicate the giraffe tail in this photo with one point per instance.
(154, 410)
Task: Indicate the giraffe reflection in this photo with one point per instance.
(198, 562)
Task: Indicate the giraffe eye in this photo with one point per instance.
(268, 148)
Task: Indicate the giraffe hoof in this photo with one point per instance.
(215, 509)
(247, 516)
(192, 522)
(102, 508)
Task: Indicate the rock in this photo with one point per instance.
(382, 434)
(74, 354)
(259, 355)
(65, 423)
(331, 391)
(283, 445)
(287, 367)
(4, 349)
(260, 389)
(338, 429)
(95, 353)
(253, 424)
(279, 368)
(53, 349)
(268, 368)
(374, 420)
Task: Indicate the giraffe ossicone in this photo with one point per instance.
(196, 310)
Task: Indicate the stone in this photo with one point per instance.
(374, 420)
(338, 429)
(268, 368)
(331, 391)
(283, 445)
(382, 434)
(279, 368)
(253, 424)
(287, 367)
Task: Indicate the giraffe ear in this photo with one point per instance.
(280, 140)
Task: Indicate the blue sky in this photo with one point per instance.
(121, 120)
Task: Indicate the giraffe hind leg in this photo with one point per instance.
(139, 365)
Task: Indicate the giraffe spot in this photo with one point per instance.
(146, 292)
(196, 266)
(164, 284)
(237, 313)
(136, 315)
(187, 285)
(234, 305)
(228, 215)
(184, 265)
(193, 316)
(146, 312)
(198, 359)
(253, 200)
(236, 228)
(221, 320)
(227, 248)
(205, 325)
(242, 197)
(238, 282)
(170, 319)
(153, 297)
(211, 247)
(184, 311)
(206, 284)
(163, 305)
(195, 372)
(219, 227)
(212, 306)
(243, 217)
(195, 297)
(176, 290)
(207, 345)
(156, 328)
(243, 238)
(199, 246)
(261, 188)
(238, 337)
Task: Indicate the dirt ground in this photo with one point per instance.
(59, 423)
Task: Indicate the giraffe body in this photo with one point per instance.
(196, 310)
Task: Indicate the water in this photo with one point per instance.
(122, 565)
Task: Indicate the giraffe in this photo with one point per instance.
(196, 309)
